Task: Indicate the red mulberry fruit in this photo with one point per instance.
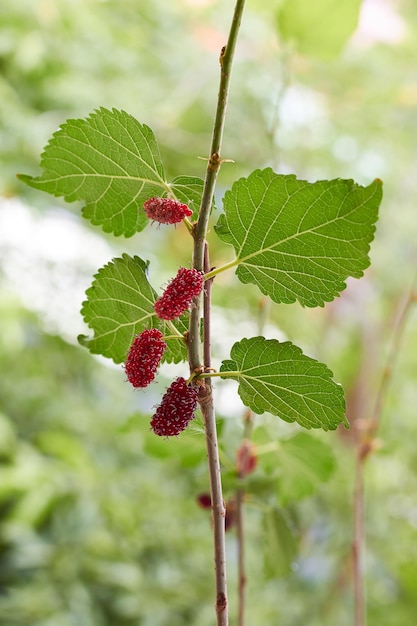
(144, 356)
(166, 210)
(204, 500)
(176, 409)
(179, 294)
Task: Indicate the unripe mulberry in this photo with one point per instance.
(246, 459)
(176, 409)
(166, 210)
(144, 356)
(179, 294)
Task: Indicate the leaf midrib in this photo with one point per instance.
(295, 394)
(298, 234)
(159, 182)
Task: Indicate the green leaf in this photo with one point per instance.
(110, 161)
(298, 240)
(278, 378)
(319, 28)
(306, 462)
(119, 305)
(279, 543)
(189, 190)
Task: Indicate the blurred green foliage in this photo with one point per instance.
(98, 520)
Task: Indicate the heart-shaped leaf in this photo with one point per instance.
(119, 305)
(112, 163)
(278, 378)
(298, 240)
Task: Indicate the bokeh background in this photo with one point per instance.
(99, 523)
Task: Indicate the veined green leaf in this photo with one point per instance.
(298, 240)
(119, 305)
(278, 378)
(319, 28)
(112, 163)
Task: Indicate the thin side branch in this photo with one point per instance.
(217, 503)
(358, 545)
(365, 445)
(241, 557)
(240, 530)
(403, 314)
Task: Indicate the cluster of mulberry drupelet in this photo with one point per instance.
(179, 403)
(144, 356)
(166, 210)
(179, 294)
(176, 410)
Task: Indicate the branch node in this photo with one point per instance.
(214, 162)
(221, 57)
(221, 602)
(204, 394)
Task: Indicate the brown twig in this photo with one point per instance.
(403, 314)
(217, 503)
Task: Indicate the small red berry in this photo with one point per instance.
(166, 210)
(144, 356)
(179, 294)
(176, 409)
(204, 500)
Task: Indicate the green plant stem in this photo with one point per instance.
(223, 268)
(179, 337)
(207, 375)
(214, 162)
(175, 332)
(205, 393)
(206, 311)
(213, 166)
